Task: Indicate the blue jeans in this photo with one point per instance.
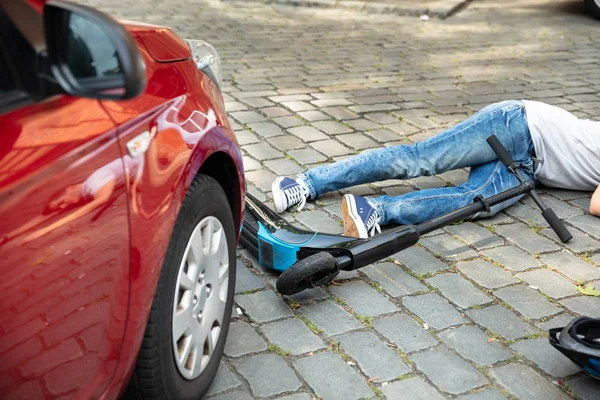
(463, 145)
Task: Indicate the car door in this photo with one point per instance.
(64, 238)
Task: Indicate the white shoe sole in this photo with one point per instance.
(278, 196)
(355, 223)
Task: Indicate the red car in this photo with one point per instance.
(121, 200)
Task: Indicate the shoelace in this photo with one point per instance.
(372, 221)
(296, 194)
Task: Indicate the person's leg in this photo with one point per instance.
(463, 145)
(416, 207)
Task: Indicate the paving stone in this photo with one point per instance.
(340, 113)
(549, 282)
(562, 209)
(308, 295)
(224, 380)
(251, 164)
(332, 378)
(559, 321)
(308, 133)
(314, 115)
(319, 221)
(263, 306)
(583, 305)
(235, 395)
(512, 258)
(486, 274)
(393, 279)
(547, 358)
(458, 290)
(404, 332)
(585, 387)
(286, 142)
(245, 117)
(332, 127)
(473, 344)
(292, 335)
(307, 156)
(283, 167)
(330, 317)
(434, 310)
(357, 141)
(448, 248)
(475, 235)
(257, 102)
(266, 129)
(580, 243)
(246, 280)
(288, 121)
(363, 124)
(524, 383)
(246, 137)
(411, 389)
(531, 216)
(419, 261)
(501, 321)
(488, 394)
(571, 266)
(363, 299)
(296, 396)
(262, 151)
(383, 135)
(232, 106)
(267, 375)
(261, 178)
(331, 148)
(242, 339)
(522, 236)
(527, 301)
(375, 359)
(448, 372)
(381, 118)
(587, 223)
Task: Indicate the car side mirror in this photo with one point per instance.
(90, 54)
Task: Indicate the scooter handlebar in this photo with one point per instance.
(500, 150)
(557, 225)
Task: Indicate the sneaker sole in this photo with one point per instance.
(352, 222)
(277, 199)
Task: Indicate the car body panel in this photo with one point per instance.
(64, 249)
(162, 43)
(86, 219)
(185, 127)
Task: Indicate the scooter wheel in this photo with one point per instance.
(308, 273)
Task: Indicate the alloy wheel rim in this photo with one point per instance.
(200, 297)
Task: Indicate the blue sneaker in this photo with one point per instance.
(360, 217)
(288, 192)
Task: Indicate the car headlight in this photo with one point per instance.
(207, 60)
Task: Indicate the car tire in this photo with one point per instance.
(593, 7)
(159, 372)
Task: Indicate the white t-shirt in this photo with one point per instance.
(569, 147)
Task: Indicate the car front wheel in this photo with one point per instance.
(593, 7)
(189, 320)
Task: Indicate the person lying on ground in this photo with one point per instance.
(553, 146)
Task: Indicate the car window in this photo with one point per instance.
(90, 53)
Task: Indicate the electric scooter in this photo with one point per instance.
(310, 259)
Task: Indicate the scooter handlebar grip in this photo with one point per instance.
(557, 225)
(500, 150)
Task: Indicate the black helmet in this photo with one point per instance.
(580, 341)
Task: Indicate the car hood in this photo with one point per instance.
(162, 43)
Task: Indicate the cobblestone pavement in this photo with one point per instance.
(463, 314)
